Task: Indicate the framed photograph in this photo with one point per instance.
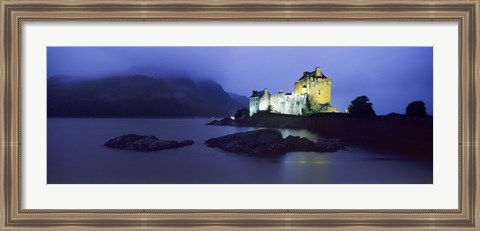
(200, 115)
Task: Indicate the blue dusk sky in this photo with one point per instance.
(391, 77)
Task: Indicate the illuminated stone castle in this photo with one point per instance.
(312, 94)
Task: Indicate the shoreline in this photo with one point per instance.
(408, 136)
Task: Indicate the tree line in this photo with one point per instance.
(362, 106)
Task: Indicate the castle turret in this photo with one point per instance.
(318, 73)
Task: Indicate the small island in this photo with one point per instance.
(309, 107)
(271, 142)
(141, 143)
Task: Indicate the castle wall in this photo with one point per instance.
(264, 101)
(318, 90)
(254, 103)
(259, 101)
(298, 87)
(288, 104)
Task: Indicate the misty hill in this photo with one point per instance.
(139, 96)
(242, 100)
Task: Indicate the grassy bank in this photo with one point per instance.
(412, 137)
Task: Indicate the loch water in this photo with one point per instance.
(76, 155)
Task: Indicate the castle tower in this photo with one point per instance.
(318, 87)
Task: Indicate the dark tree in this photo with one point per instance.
(361, 106)
(241, 114)
(416, 109)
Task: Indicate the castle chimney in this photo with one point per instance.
(317, 72)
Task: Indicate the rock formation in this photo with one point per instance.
(270, 142)
(144, 143)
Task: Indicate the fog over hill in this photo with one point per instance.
(139, 96)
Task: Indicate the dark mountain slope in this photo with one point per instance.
(138, 96)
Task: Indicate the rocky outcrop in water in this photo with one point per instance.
(270, 142)
(141, 143)
(223, 122)
(264, 141)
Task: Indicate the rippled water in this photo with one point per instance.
(75, 154)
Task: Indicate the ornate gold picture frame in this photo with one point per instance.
(13, 13)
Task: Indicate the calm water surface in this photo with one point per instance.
(76, 155)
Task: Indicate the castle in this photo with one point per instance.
(311, 94)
